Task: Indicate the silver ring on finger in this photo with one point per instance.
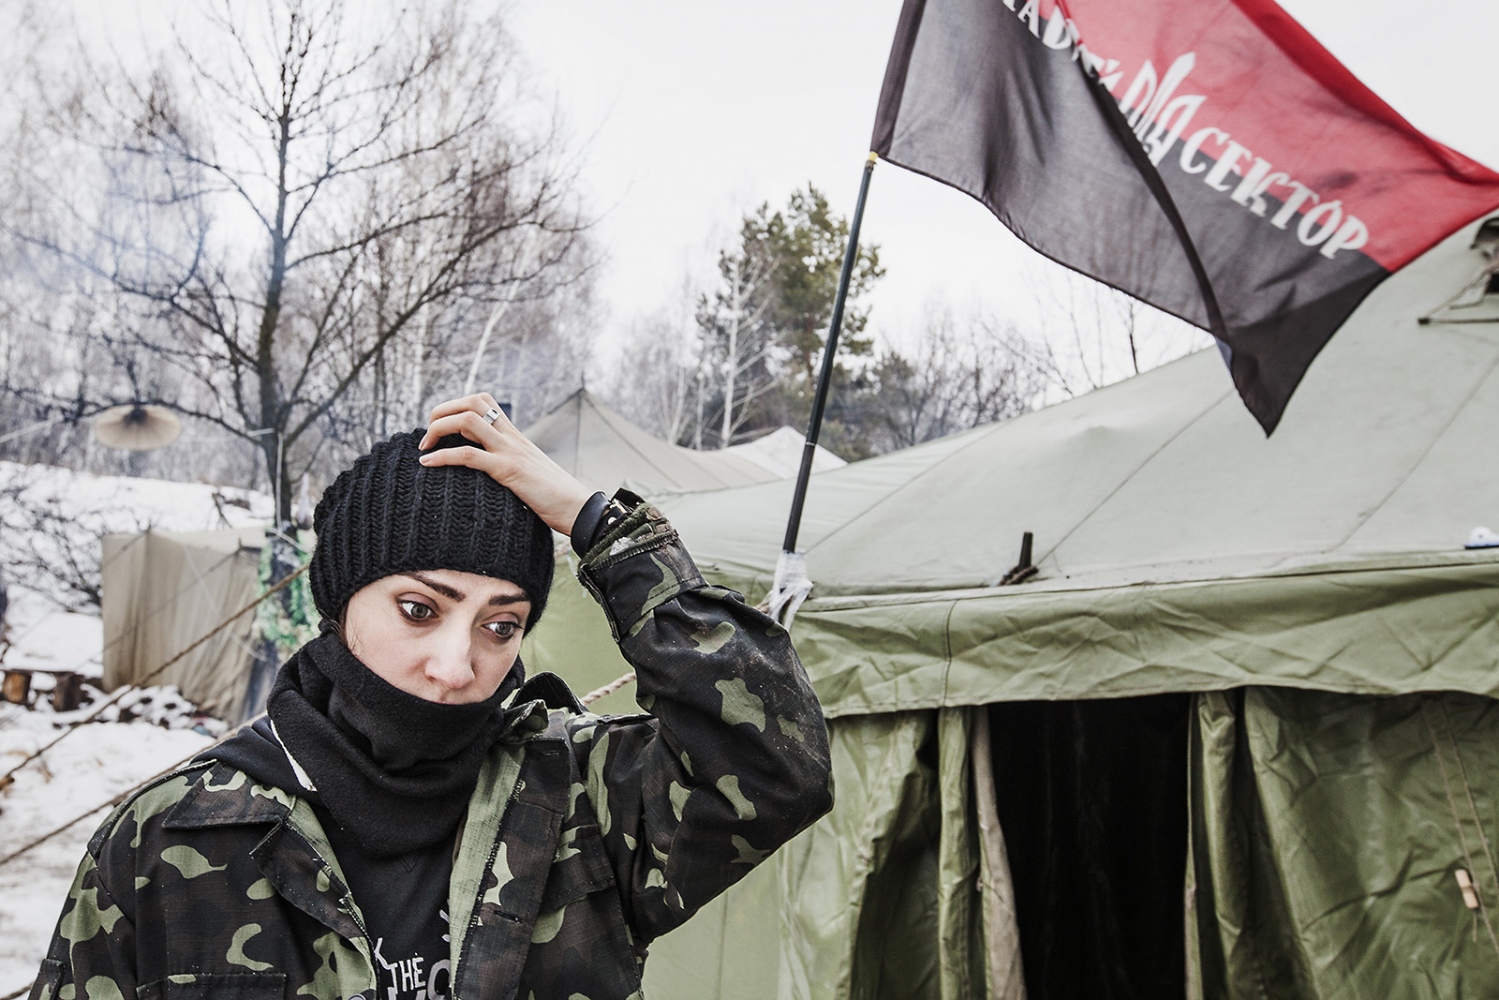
(491, 415)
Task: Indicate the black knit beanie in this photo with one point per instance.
(388, 514)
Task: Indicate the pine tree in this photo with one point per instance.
(765, 324)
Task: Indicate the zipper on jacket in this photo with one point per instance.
(473, 918)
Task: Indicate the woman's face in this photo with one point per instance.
(439, 634)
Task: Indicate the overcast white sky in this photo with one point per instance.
(694, 110)
(690, 112)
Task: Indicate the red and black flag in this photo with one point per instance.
(1206, 156)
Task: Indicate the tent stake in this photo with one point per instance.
(829, 355)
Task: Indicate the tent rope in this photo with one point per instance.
(587, 699)
(608, 689)
(158, 611)
(110, 805)
(125, 689)
(1462, 769)
(38, 842)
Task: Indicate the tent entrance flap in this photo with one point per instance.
(1092, 798)
(1327, 835)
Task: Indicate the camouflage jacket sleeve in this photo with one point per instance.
(93, 950)
(732, 760)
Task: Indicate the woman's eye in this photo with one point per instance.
(503, 630)
(415, 610)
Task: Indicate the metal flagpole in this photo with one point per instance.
(791, 582)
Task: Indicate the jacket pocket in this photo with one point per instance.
(581, 866)
(216, 986)
(580, 943)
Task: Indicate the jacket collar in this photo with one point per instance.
(226, 796)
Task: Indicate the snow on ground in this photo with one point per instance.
(142, 734)
(42, 637)
(86, 769)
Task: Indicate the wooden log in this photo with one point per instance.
(68, 694)
(16, 688)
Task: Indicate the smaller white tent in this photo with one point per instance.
(163, 592)
(605, 450)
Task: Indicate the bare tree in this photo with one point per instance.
(962, 373)
(307, 204)
(1089, 335)
(659, 377)
(52, 543)
(741, 353)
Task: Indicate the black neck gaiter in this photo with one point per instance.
(396, 771)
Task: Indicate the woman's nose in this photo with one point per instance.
(450, 663)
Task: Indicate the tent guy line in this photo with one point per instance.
(124, 689)
(1420, 459)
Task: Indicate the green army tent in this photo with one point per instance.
(1236, 736)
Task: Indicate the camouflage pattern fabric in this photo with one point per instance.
(586, 837)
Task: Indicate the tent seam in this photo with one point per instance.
(1188, 425)
(911, 481)
(1420, 460)
(876, 598)
(1457, 755)
(952, 609)
(1457, 823)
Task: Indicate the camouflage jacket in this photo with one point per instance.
(587, 836)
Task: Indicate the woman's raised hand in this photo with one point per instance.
(506, 455)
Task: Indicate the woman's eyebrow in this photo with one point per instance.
(497, 601)
(501, 600)
(441, 588)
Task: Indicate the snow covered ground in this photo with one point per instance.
(143, 733)
(84, 771)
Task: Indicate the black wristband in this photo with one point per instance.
(586, 525)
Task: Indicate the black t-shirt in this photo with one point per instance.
(404, 900)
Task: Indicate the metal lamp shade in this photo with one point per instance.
(136, 427)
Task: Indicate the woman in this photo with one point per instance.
(413, 820)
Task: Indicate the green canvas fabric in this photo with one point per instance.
(960, 912)
(1163, 477)
(1178, 551)
(730, 949)
(1326, 831)
(606, 451)
(1419, 622)
(847, 875)
(1423, 623)
(878, 900)
(162, 593)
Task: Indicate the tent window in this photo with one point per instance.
(1493, 288)
(1092, 799)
